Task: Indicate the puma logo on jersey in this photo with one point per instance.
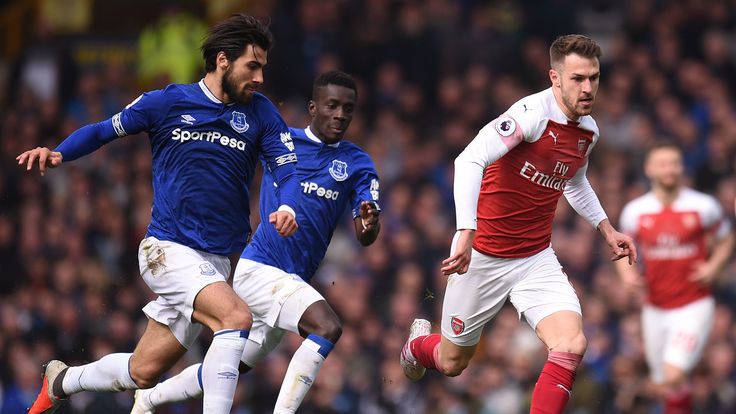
(554, 136)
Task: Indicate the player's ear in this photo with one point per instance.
(312, 107)
(222, 61)
(554, 77)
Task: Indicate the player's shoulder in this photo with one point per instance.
(299, 133)
(588, 123)
(690, 198)
(356, 152)
(262, 103)
(644, 204)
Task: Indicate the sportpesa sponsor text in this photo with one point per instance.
(210, 136)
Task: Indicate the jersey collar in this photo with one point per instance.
(207, 92)
(314, 138)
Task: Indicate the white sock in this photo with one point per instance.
(181, 387)
(110, 373)
(220, 370)
(302, 371)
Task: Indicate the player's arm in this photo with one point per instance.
(367, 225)
(364, 201)
(708, 272)
(492, 142)
(135, 118)
(584, 201)
(629, 274)
(278, 152)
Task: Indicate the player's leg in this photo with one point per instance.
(254, 284)
(548, 302)
(158, 348)
(187, 384)
(562, 333)
(193, 284)
(321, 328)
(471, 300)
(219, 308)
(684, 347)
(654, 334)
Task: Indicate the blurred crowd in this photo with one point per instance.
(431, 73)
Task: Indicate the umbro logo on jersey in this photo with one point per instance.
(187, 119)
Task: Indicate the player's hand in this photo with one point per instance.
(368, 216)
(621, 245)
(459, 261)
(45, 157)
(284, 222)
(703, 273)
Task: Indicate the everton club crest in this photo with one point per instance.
(238, 122)
(339, 170)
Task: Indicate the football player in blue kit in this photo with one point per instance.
(206, 139)
(274, 272)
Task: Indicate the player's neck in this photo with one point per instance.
(666, 196)
(565, 111)
(213, 82)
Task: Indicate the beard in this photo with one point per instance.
(231, 89)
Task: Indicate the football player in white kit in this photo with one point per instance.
(685, 242)
(507, 184)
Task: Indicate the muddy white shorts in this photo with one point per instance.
(676, 336)
(536, 286)
(177, 273)
(277, 300)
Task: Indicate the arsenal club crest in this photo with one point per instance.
(238, 122)
(458, 326)
(582, 146)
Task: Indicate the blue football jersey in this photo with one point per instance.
(204, 158)
(332, 177)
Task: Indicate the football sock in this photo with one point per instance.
(220, 370)
(184, 386)
(679, 402)
(425, 349)
(110, 373)
(302, 371)
(554, 385)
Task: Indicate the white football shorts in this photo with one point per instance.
(277, 300)
(536, 286)
(676, 336)
(177, 273)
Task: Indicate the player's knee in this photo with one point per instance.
(330, 329)
(452, 367)
(674, 378)
(576, 344)
(237, 317)
(144, 376)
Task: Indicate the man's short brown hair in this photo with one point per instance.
(572, 43)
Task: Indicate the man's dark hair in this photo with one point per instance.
(334, 77)
(663, 144)
(572, 43)
(232, 36)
